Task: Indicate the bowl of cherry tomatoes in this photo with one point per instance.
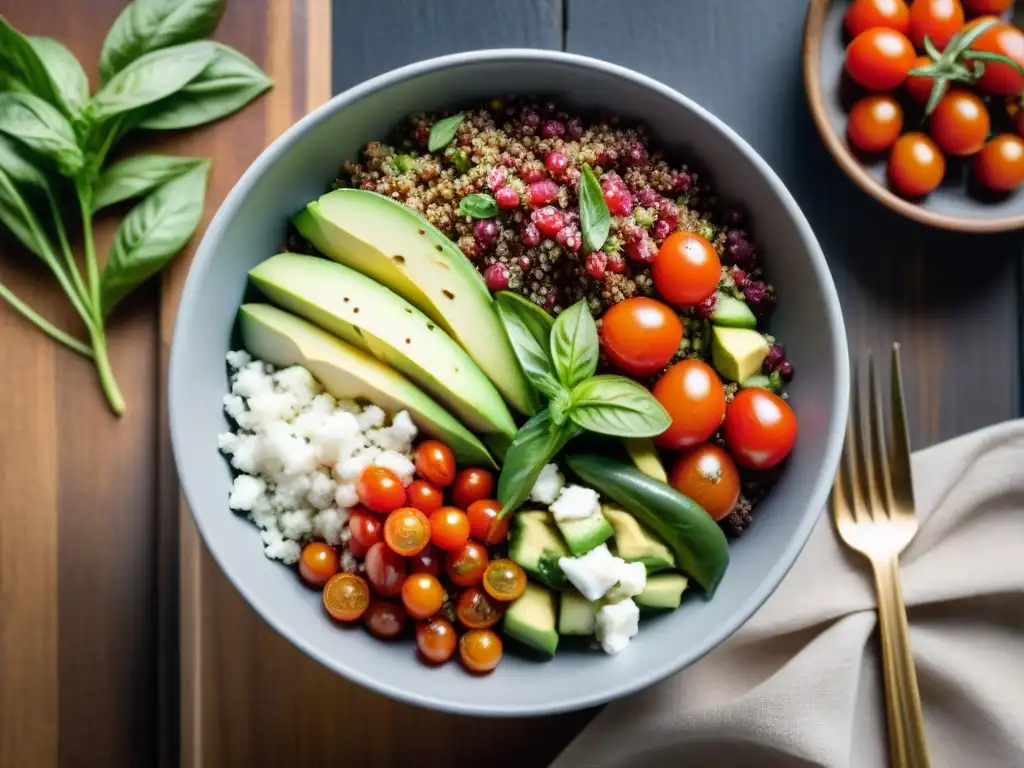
(920, 102)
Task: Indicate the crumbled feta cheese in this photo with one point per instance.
(632, 578)
(299, 382)
(574, 503)
(348, 471)
(238, 359)
(338, 438)
(345, 495)
(327, 525)
(398, 437)
(226, 442)
(245, 490)
(397, 463)
(269, 407)
(594, 573)
(371, 417)
(277, 547)
(263, 512)
(549, 484)
(296, 524)
(616, 624)
(245, 457)
(323, 404)
(234, 406)
(321, 490)
(252, 381)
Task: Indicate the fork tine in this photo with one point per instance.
(869, 480)
(878, 440)
(854, 445)
(902, 482)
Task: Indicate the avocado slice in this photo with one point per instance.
(398, 248)
(282, 339)
(635, 543)
(664, 592)
(732, 312)
(535, 545)
(531, 619)
(583, 534)
(367, 315)
(644, 454)
(576, 615)
(737, 353)
(761, 381)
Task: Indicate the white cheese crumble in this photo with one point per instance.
(575, 502)
(549, 483)
(632, 578)
(616, 624)
(594, 573)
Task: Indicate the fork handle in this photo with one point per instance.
(907, 745)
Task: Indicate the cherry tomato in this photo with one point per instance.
(435, 640)
(449, 528)
(919, 88)
(960, 123)
(318, 563)
(407, 531)
(385, 569)
(435, 463)
(504, 580)
(356, 549)
(938, 19)
(875, 122)
(879, 59)
(478, 610)
(1001, 78)
(423, 496)
(1000, 164)
(687, 269)
(979, 7)
(760, 428)
(640, 335)
(385, 619)
(484, 524)
(465, 566)
(380, 490)
(472, 485)
(693, 395)
(480, 650)
(427, 560)
(865, 14)
(708, 475)
(346, 596)
(422, 595)
(916, 165)
(1018, 122)
(366, 528)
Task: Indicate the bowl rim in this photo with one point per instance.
(817, 14)
(178, 366)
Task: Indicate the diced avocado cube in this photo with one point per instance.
(737, 353)
(535, 545)
(644, 454)
(664, 592)
(732, 312)
(576, 615)
(635, 543)
(531, 619)
(761, 381)
(583, 534)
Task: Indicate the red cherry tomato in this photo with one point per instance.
(687, 269)
(919, 88)
(879, 59)
(407, 531)
(478, 610)
(449, 528)
(999, 78)
(385, 619)
(640, 335)
(484, 524)
(380, 490)
(428, 560)
(960, 123)
(465, 566)
(318, 563)
(865, 14)
(422, 595)
(385, 569)
(979, 7)
(480, 650)
(423, 496)
(916, 165)
(356, 549)
(938, 19)
(1000, 164)
(875, 122)
(435, 462)
(435, 640)
(472, 485)
(708, 475)
(760, 428)
(693, 395)
(366, 528)
(346, 597)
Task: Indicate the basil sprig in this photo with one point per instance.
(479, 205)
(443, 132)
(595, 219)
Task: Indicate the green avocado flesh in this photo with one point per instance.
(535, 545)
(531, 619)
(737, 353)
(664, 592)
(732, 312)
(635, 543)
(583, 534)
(576, 615)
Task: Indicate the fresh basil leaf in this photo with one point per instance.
(137, 176)
(574, 345)
(535, 445)
(70, 82)
(23, 69)
(152, 233)
(229, 82)
(20, 168)
(42, 128)
(147, 25)
(615, 405)
(529, 336)
(444, 131)
(559, 406)
(479, 205)
(595, 220)
(15, 214)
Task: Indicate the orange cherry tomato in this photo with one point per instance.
(640, 335)
(916, 165)
(318, 563)
(422, 595)
(407, 531)
(1000, 164)
(686, 269)
(435, 640)
(346, 596)
(708, 475)
(865, 14)
(919, 88)
(484, 524)
(480, 650)
(380, 490)
(385, 619)
(472, 485)
(504, 580)
(979, 7)
(760, 428)
(875, 122)
(938, 19)
(366, 528)
(960, 123)
(427, 560)
(879, 59)
(465, 566)
(449, 528)
(423, 496)
(999, 78)
(694, 397)
(435, 463)
(385, 569)
(478, 610)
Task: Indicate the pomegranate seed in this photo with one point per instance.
(758, 297)
(616, 263)
(570, 238)
(531, 173)
(496, 178)
(739, 277)
(506, 198)
(619, 201)
(707, 307)
(556, 163)
(574, 127)
(661, 229)
(774, 358)
(636, 154)
(531, 236)
(572, 215)
(786, 370)
(366, 184)
(683, 181)
(543, 192)
(496, 276)
(572, 178)
(596, 264)
(647, 197)
(552, 129)
(525, 264)
(668, 210)
(486, 232)
(551, 299)
(739, 250)
(641, 249)
(549, 220)
(607, 157)
(530, 118)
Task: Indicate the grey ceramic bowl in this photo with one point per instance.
(297, 168)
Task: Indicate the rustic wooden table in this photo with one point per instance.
(121, 644)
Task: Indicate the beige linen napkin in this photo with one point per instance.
(800, 684)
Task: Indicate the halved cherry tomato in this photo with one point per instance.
(449, 528)
(919, 88)
(875, 122)
(938, 19)
(407, 531)
(480, 650)
(422, 595)
(708, 475)
(693, 395)
(435, 463)
(356, 549)
(640, 335)
(318, 563)
(1000, 164)
(465, 566)
(760, 428)
(385, 619)
(865, 14)
(436, 639)
(346, 596)
(1001, 78)
(979, 7)
(879, 59)
(472, 485)
(366, 528)
(427, 560)
(385, 569)
(687, 269)
(423, 496)
(504, 580)
(478, 610)
(916, 165)
(483, 521)
(960, 123)
(380, 490)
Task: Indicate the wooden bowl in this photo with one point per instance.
(955, 205)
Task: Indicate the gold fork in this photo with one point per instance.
(873, 507)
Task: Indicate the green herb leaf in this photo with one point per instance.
(444, 131)
(617, 406)
(535, 445)
(479, 205)
(152, 233)
(402, 163)
(70, 82)
(147, 25)
(42, 128)
(574, 345)
(461, 161)
(595, 220)
(559, 406)
(229, 82)
(21, 66)
(137, 176)
(15, 214)
(528, 327)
